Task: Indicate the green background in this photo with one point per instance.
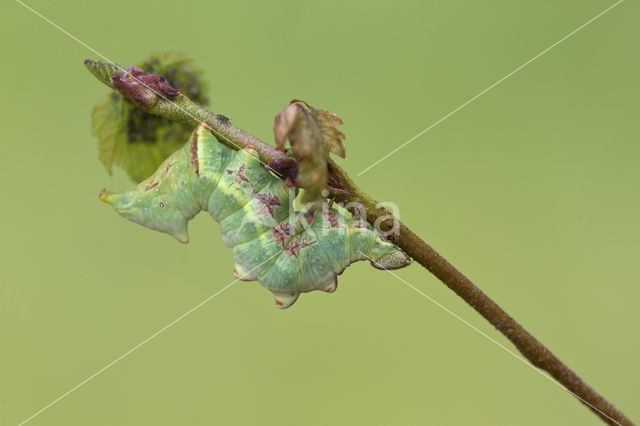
(531, 190)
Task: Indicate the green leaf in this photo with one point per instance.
(134, 140)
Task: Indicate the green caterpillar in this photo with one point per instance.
(287, 253)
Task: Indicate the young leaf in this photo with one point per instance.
(129, 137)
(331, 137)
(297, 125)
(312, 135)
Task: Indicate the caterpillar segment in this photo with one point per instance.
(287, 252)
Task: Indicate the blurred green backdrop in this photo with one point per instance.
(532, 191)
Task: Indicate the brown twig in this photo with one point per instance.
(343, 190)
(526, 344)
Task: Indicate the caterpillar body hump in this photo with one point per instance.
(287, 252)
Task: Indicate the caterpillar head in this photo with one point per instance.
(150, 209)
(386, 255)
